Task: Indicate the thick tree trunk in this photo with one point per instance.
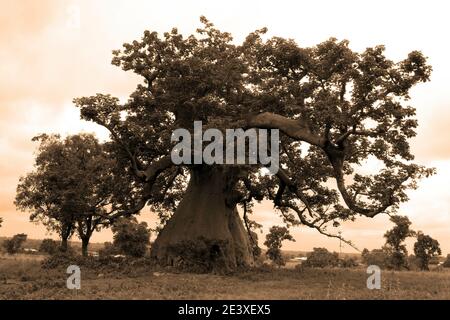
(64, 245)
(66, 232)
(204, 232)
(84, 247)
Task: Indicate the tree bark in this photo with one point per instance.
(204, 232)
(84, 246)
(64, 245)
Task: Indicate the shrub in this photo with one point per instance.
(377, 257)
(446, 263)
(108, 250)
(14, 244)
(200, 255)
(131, 237)
(59, 259)
(321, 258)
(49, 246)
(348, 263)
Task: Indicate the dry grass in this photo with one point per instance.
(22, 278)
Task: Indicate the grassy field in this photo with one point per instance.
(23, 278)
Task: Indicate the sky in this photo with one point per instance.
(52, 51)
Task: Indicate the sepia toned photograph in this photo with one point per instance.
(227, 151)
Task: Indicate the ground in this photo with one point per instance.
(21, 277)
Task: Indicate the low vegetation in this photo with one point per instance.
(138, 278)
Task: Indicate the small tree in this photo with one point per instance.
(425, 248)
(395, 247)
(378, 257)
(273, 242)
(131, 237)
(49, 246)
(14, 244)
(73, 188)
(321, 258)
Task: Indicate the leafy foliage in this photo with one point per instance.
(425, 248)
(200, 255)
(109, 249)
(378, 257)
(321, 258)
(395, 247)
(14, 245)
(446, 263)
(348, 263)
(73, 187)
(273, 242)
(49, 246)
(256, 250)
(131, 237)
(334, 107)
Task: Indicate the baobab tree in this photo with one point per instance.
(334, 109)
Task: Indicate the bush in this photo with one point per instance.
(446, 263)
(59, 259)
(348, 263)
(200, 255)
(14, 244)
(108, 250)
(131, 237)
(49, 246)
(377, 257)
(321, 258)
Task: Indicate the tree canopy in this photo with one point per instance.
(335, 109)
(395, 248)
(274, 241)
(425, 248)
(131, 237)
(73, 188)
